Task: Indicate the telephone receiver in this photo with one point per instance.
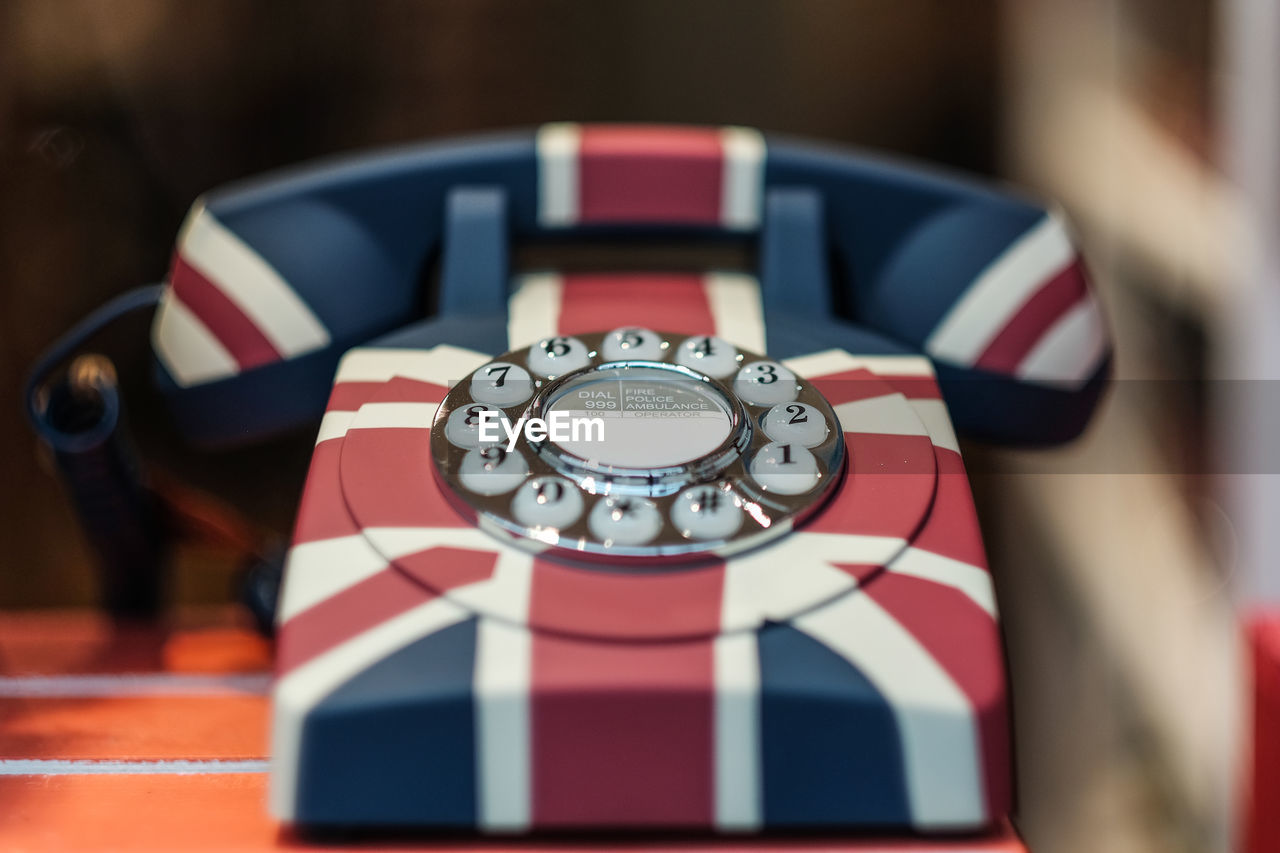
(274, 279)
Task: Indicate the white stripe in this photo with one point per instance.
(742, 184)
(505, 595)
(437, 365)
(250, 282)
(334, 425)
(1071, 350)
(502, 687)
(297, 692)
(533, 312)
(186, 347)
(889, 414)
(316, 571)
(737, 732)
(933, 414)
(734, 300)
(558, 146)
(755, 591)
(133, 684)
(1000, 290)
(973, 581)
(394, 415)
(935, 721)
(84, 767)
(832, 361)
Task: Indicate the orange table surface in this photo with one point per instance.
(154, 738)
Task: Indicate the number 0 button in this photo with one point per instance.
(787, 469)
(764, 383)
(501, 384)
(547, 502)
(492, 470)
(557, 356)
(796, 423)
(624, 520)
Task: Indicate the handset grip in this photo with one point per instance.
(273, 280)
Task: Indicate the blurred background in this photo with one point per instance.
(1114, 556)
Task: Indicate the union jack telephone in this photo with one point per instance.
(756, 600)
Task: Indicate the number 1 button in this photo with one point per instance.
(501, 384)
(787, 469)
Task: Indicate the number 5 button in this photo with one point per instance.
(786, 469)
(764, 383)
(796, 423)
(501, 384)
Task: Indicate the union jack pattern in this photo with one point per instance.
(850, 673)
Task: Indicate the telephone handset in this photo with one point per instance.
(754, 598)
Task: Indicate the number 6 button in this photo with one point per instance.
(764, 383)
(786, 469)
(501, 384)
(796, 423)
(556, 356)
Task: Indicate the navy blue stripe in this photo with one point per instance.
(831, 752)
(395, 745)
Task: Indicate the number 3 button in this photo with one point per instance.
(796, 423)
(786, 469)
(764, 383)
(501, 384)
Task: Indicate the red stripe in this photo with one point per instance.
(665, 302)
(232, 327)
(355, 610)
(350, 396)
(1044, 308)
(915, 387)
(657, 605)
(850, 386)
(323, 514)
(965, 641)
(443, 568)
(388, 480)
(622, 733)
(649, 174)
(887, 490)
(952, 527)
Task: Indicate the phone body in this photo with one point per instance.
(759, 602)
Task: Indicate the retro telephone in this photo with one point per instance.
(757, 599)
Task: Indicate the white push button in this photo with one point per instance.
(558, 356)
(623, 520)
(501, 383)
(763, 383)
(491, 470)
(712, 356)
(796, 423)
(787, 469)
(463, 427)
(706, 512)
(547, 502)
(632, 343)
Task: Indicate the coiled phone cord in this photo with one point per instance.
(131, 520)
